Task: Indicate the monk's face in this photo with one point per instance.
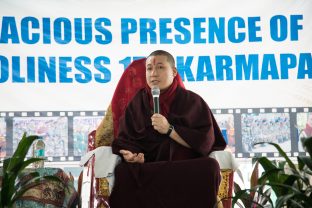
(159, 72)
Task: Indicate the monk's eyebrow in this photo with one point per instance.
(160, 63)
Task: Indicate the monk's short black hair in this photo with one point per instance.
(170, 58)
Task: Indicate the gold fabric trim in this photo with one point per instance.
(225, 183)
(104, 135)
(220, 205)
(103, 187)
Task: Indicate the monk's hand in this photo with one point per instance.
(160, 123)
(132, 157)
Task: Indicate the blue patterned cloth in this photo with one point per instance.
(49, 194)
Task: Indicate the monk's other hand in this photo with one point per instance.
(132, 157)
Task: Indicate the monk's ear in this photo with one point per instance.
(175, 72)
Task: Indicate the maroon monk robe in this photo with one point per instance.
(172, 176)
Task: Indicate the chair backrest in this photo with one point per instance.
(132, 80)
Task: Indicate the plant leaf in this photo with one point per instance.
(239, 173)
(270, 171)
(248, 201)
(254, 176)
(20, 153)
(26, 163)
(25, 178)
(241, 195)
(307, 144)
(281, 201)
(12, 167)
(282, 153)
(304, 160)
(266, 198)
(237, 188)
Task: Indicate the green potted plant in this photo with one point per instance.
(12, 187)
(255, 196)
(290, 183)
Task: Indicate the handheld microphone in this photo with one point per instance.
(155, 94)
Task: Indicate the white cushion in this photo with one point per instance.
(225, 159)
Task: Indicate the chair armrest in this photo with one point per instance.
(105, 161)
(225, 159)
(228, 165)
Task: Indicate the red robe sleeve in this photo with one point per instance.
(195, 123)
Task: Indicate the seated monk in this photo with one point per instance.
(165, 159)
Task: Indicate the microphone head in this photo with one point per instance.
(155, 91)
